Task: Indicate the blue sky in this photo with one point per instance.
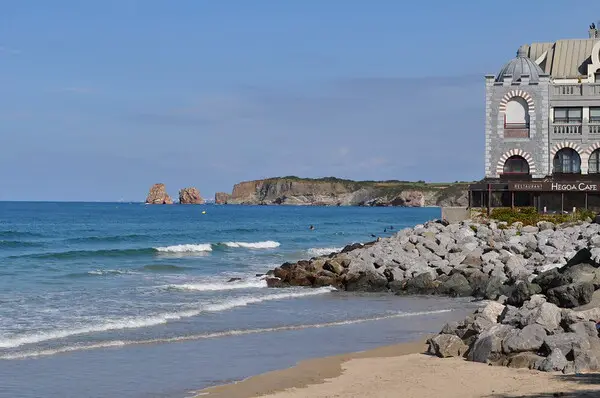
(101, 99)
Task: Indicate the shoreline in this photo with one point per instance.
(310, 372)
(404, 370)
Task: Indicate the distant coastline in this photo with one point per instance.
(332, 191)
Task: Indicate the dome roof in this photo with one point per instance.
(521, 65)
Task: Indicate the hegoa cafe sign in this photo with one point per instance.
(576, 186)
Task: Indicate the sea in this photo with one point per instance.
(134, 300)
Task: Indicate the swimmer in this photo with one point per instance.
(311, 227)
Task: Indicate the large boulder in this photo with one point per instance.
(447, 345)
(521, 292)
(456, 286)
(554, 362)
(571, 295)
(421, 284)
(190, 196)
(530, 338)
(488, 346)
(158, 195)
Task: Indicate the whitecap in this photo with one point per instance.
(217, 286)
(189, 248)
(323, 251)
(269, 244)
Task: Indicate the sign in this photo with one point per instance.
(559, 186)
(526, 186)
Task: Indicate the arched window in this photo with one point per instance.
(567, 160)
(594, 162)
(516, 114)
(516, 165)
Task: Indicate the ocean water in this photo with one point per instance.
(129, 300)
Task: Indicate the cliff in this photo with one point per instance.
(337, 192)
(158, 195)
(190, 196)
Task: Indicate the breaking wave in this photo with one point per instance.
(234, 332)
(153, 320)
(323, 251)
(216, 286)
(269, 244)
(190, 248)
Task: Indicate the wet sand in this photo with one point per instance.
(403, 370)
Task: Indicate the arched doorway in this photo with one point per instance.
(516, 165)
(567, 160)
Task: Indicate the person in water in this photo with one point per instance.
(311, 227)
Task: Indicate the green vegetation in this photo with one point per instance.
(389, 187)
(530, 216)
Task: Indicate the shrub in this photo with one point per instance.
(530, 215)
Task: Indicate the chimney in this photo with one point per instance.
(594, 34)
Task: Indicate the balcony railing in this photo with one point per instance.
(594, 128)
(575, 90)
(567, 128)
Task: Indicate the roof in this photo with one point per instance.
(519, 66)
(564, 59)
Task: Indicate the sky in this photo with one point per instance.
(101, 99)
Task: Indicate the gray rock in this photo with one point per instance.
(556, 361)
(489, 256)
(447, 345)
(493, 310)
(546, 315)
(545, 225)
(421, 284)
(450, 327)
(456, 285)
(529, 229)
(473, 259)
(566, 342)
(584, 329)
(571, 295)
(493, 288)
(526, 360)
(521, 292)
(489, 342)
(455, 259)
(530, 338)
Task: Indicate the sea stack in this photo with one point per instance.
(190, 196)
(221, 198)
(158, 195)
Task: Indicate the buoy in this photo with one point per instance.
(203, 211)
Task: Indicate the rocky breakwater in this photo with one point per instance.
(189, 196)
(485, 260)
(158, 195)
(221, 198)
(537, 335)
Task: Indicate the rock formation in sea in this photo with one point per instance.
(158, 195)
(190, 196)
(338, 192)
(222, 198)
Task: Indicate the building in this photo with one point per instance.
(542, 128)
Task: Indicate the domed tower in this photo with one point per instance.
(516, 139)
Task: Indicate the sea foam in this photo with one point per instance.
(217, 286)
(269, 244)
(190, 248)
(153, 320)
(226, 333)
(323, 251)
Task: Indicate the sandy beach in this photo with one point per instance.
(403, 370)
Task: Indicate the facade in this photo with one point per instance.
(542, 128)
